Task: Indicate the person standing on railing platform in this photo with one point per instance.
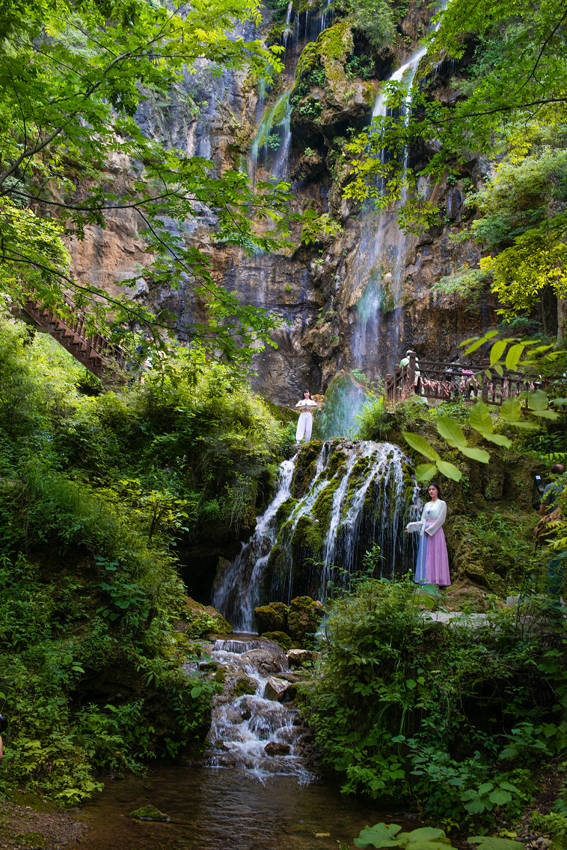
(410, 363)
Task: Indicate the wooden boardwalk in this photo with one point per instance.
(446, 381)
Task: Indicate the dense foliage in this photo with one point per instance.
(507, 101)
(98, 494)
(453, 719)
(75, 78)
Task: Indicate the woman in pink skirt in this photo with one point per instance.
(432, 559)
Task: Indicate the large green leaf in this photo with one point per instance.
(480, 419)
(420, 444)
(537, 400)
(545, 414)
(479, 342)
(475, 453)
(514, 354)
(422, 833)
(379, 835)
(442, 844)
(425, 471)
(451, 432)
(497, 351)
(489, 842)
(449, 470)
(498, 439)
(511, 410)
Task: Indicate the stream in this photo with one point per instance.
(218, 809)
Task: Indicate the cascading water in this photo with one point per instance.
(256, 730)
(334, 502)
(272, 144)
(381, 253)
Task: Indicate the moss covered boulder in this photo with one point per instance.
(281, 638)
(304, 617)
(200, 620)
(272, 617)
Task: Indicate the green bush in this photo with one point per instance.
(446, 717)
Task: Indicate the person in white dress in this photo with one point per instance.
(305, 423)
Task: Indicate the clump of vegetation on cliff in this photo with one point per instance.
(100, 493)
(453, 719)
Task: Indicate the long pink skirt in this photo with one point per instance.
(433, 561)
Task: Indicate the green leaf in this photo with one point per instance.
(449, 470)
(498, 439)
(423, 833)
(420, 444)
(480, 419)
(497, 351)
(425, 471)
(451, 432)
(489, 842)
(546, 414)
(537, 400)
(479, 342)
(475, 453)
(514, 354)
(379, 835)
(499, 797)
(511, 410)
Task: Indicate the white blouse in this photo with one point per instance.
(434, 514)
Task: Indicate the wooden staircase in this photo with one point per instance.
(96, 353)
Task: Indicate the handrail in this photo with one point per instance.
(450, 380)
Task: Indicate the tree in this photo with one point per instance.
(73, 74)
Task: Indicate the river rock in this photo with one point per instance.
(244, 685)
(151, 813)
(276, 689)
(277, 748)
(266, 661)
(301, 657)
(304, 617)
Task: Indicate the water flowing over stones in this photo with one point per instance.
(334, 502)
(253, 727)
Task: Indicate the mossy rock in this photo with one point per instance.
(31, 840)
(244, 685)
(272, 617)
(204, 619)
(305, 468)
(150, 812)
(304, 617)
(280, 638)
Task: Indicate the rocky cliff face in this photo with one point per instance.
(358, 300)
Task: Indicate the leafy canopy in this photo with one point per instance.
(74, 75)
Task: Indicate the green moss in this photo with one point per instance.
(244, 685)
(285, 510)
(281, 638)
(149, 812)
(305, 468)
(308, 536)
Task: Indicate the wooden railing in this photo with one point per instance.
(446, 381)
(100, 356)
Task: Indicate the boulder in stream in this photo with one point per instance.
(276, 689)
(267, 661)
(272, 617)
(277, 748)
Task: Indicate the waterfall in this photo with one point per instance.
(272, 144)
(334, 501)
(256, 729)
(381, 254)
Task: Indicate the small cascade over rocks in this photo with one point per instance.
(335, 501)
(254, 726)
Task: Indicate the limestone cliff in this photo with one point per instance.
(354, 301)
